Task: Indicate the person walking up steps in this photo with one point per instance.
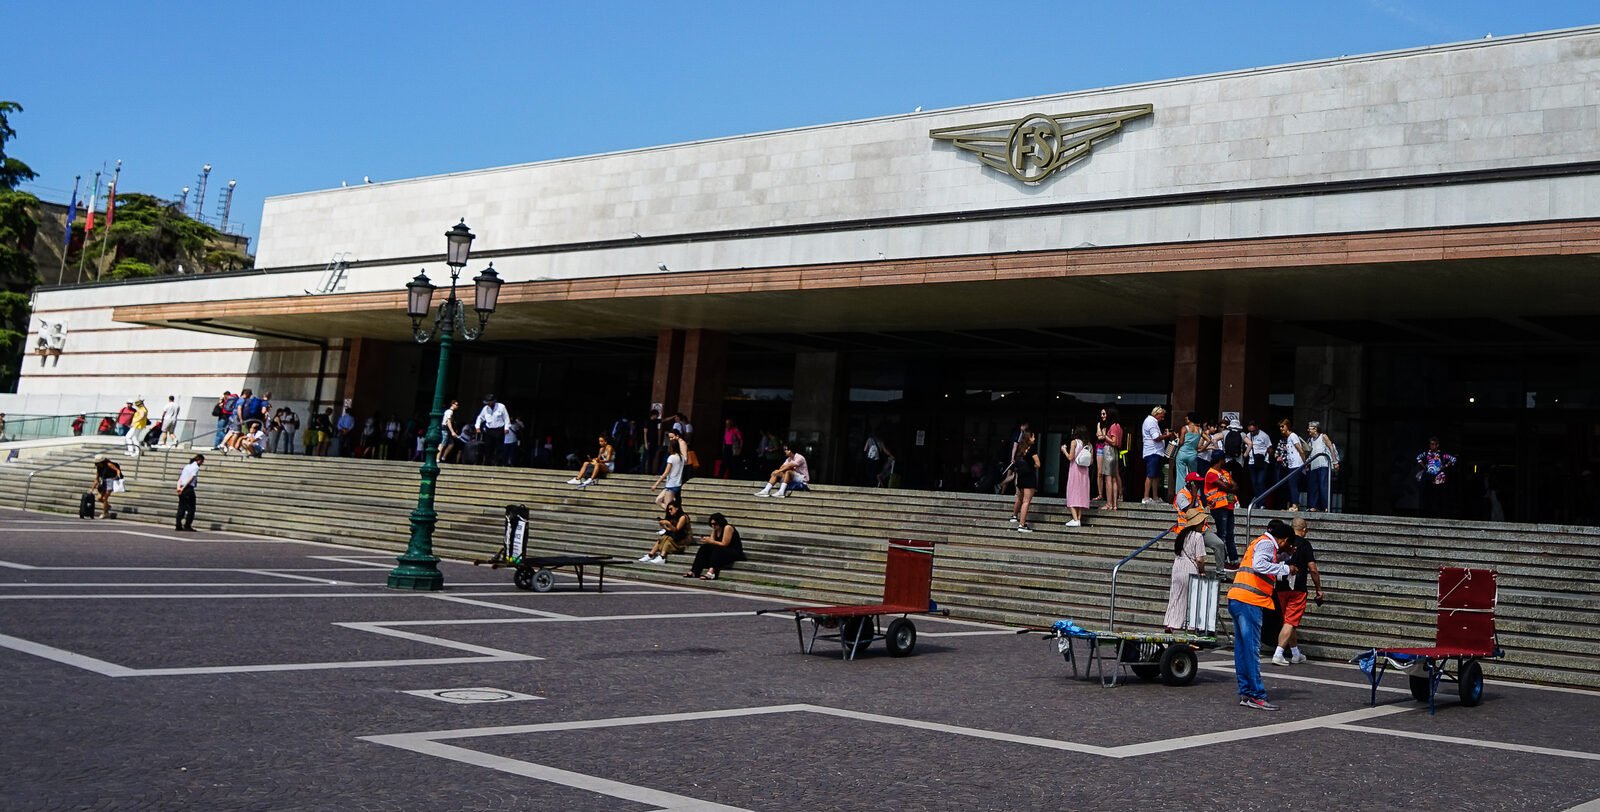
(188, 480)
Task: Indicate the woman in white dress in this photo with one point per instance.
(1189, 549)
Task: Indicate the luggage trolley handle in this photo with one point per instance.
(516, 532)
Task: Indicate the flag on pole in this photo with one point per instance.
(72, 214)
(111, 202)
(94, 197)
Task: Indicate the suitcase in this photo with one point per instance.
(86, 506)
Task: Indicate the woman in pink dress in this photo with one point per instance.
(1080, 460)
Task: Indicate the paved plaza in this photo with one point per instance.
(147, 669)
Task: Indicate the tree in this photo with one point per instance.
(158, 235)
(17, 272)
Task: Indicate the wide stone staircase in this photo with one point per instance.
(828, 545)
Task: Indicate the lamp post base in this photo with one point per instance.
(419, 576)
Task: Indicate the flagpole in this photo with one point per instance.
(111, 205)
(85, 253)
(66, 245)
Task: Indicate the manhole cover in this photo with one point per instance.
(472, 696)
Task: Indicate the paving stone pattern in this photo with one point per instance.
(272, 740)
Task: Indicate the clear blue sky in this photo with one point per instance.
(289, 97)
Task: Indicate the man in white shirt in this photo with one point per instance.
(188, 479)
(792, 474)
(1155, 440)
(491, 425)
(1258, 451)
(169, 421)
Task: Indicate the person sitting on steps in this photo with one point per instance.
(673, 537)
(718, 551)
(596, 466)
(792, 475)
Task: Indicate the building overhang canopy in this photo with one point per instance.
(1522, 269)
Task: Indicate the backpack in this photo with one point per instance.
(216, 410)
(1233, 444)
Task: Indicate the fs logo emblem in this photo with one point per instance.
(1037, 146)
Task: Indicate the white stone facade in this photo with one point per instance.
(1515, 102)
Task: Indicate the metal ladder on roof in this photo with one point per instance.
(334, 275)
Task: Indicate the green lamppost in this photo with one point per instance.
(419, 568)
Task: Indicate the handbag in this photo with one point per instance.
(693, 460)
(1085, 456)
(118, 486)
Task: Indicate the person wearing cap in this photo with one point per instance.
(1189, 558)
(491, 426)
(106, 475)
(1220, 498)
(188, 480)
(1251, 594)
(138, 427)
(1192, 495)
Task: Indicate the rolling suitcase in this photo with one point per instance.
(86, 506)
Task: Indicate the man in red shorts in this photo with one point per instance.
(1292, 595)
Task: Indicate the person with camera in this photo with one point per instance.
(1292, 594)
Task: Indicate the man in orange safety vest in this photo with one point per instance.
(1251, 593)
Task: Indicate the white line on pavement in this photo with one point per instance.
(500, 606)
(1520, 748)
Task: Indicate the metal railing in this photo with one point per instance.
(38, 427)
(1116, 569)
(1249, 510)
(27, 490)
(181, 442)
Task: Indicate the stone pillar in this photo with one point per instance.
(1245, 359)
(703, 376)
(1195, 366)
(814, 414)
(669, 370)
(366, 364)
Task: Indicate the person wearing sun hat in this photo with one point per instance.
(1189, 553)
(106, 474)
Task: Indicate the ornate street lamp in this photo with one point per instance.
(419, 568)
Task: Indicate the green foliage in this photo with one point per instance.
(12, 171)
(131, 269)
(156, 233)
(14, 316)
(221, 259)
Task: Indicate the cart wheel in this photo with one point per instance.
(902, 637)
(849, 629)
(1179, 665)
(1144, 654)
(1470, 680)
(543, 580)
(522, 578)
(1419, 688)
(1148, 673)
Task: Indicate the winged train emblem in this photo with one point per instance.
(1037, 146)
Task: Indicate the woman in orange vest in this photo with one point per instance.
(1219, 492)
(1252, 591)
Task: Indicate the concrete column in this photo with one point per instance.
(1245, 359)
(1195, 366)
(366, 362)
(669, 370)
(814, 413)
(702, 386)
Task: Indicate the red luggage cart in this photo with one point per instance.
(1463, 634)
(907, 590)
